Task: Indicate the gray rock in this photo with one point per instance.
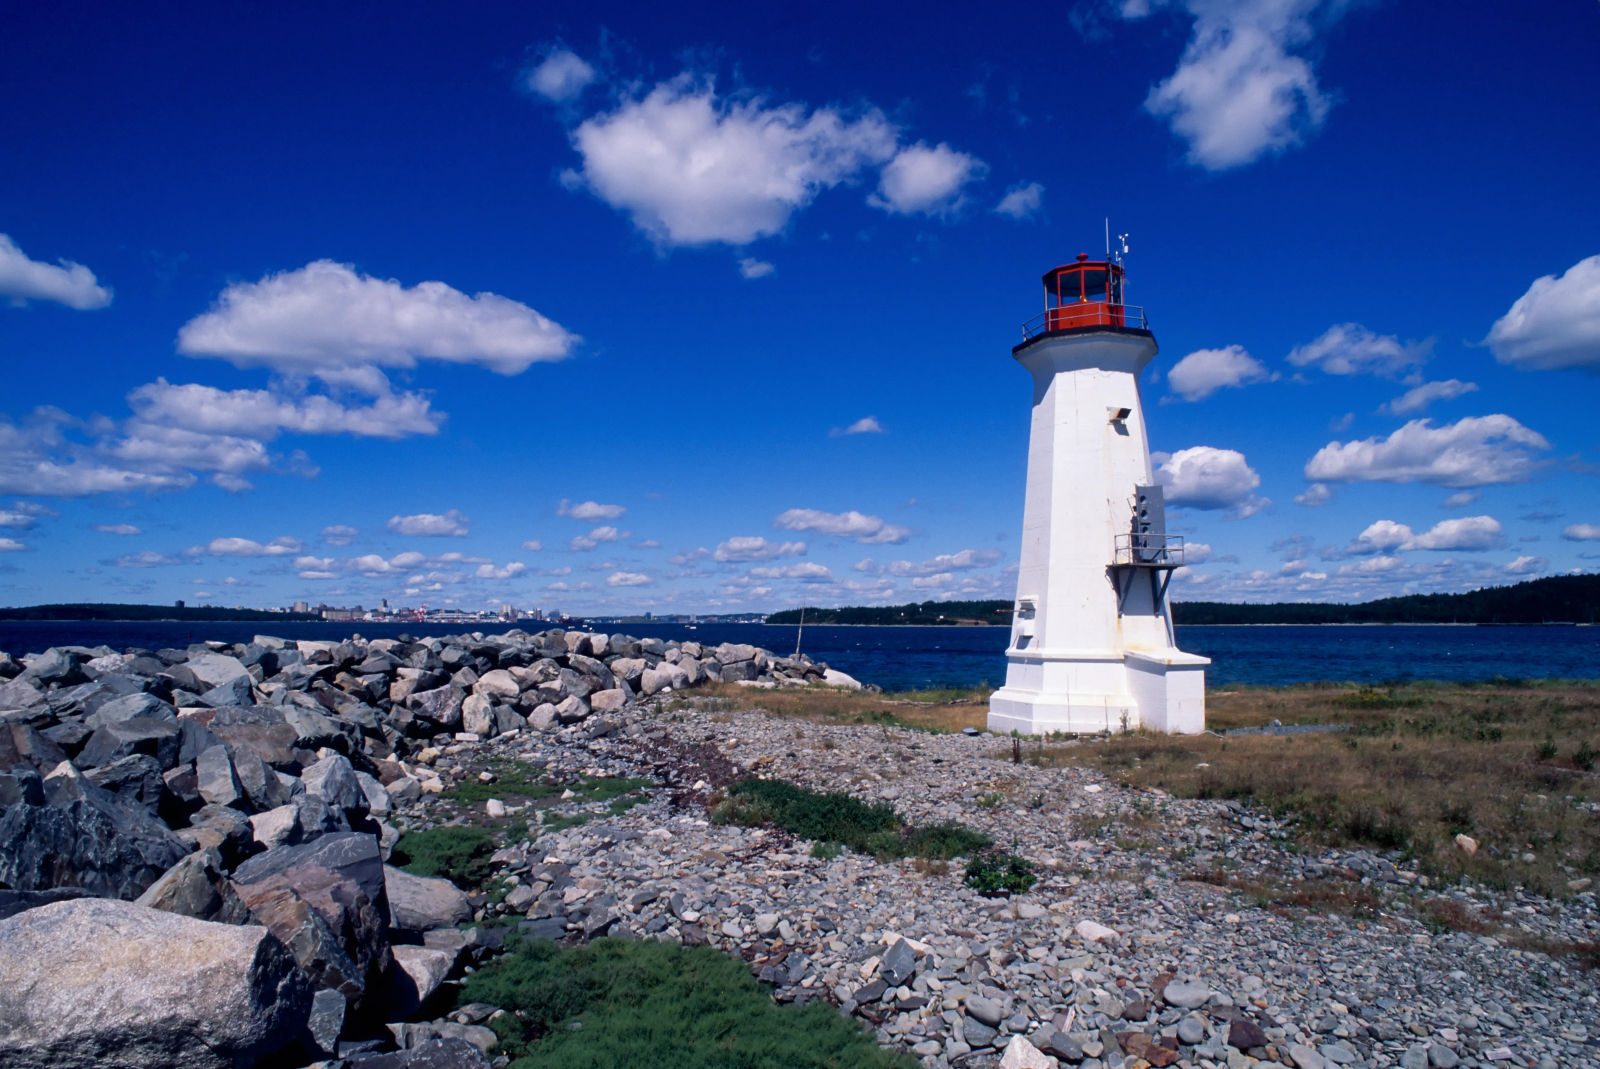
(196, 887)
(1191, 1030)
(447, 1052)
(158, 738)
(1304, 1057)
(325, 1023)
(215, 778)
(215, 669)
(276, 827)
(419, 972)
(334, 781)
(1062, 1046)
(1442, 1057)
(441, 705)
(990, 1011)
(571, 710)
(1187, 994)
(420, 903)
(899, 964)
(477, 714)
(94, 983)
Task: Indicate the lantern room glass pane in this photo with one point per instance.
(1094, 285)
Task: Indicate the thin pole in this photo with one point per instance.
(800, 630)
(1108, 237)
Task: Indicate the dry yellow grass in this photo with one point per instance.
(929, 710)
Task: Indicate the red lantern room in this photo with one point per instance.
(1085, 295)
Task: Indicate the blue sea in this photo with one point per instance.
(904, 658)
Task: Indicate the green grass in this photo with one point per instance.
(835, 817)
(514, 781)
(619, 1002)
(458, 854)
(999, 872)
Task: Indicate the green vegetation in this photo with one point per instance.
(836, 817)
(108, 611)
(459, 854)
(514, 781)
(996, 872)
(1558, 599)
(623, 1002)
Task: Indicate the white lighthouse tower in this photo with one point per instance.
(1092, 646)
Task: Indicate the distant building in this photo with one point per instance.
(301, 606)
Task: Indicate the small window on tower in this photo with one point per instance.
(1094, 285)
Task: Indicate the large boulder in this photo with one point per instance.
(423, 903)
(100, 984)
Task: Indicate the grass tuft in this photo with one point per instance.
(837, 818)
(458, 854)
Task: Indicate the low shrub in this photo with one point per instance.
(834, 817)
(996, 872)
(625, 1002)
(458, 854)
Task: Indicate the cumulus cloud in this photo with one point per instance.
(589, 510)
(1424, 394)
(339, 535)
(868, 530)
(1239, 92)
(263, 413)
(245, 547)
(1021, 201)
(1555, 325)
(944, 563)
(627, 579)
(117, 529)
(489, 571)
(561, 76)
(429, 524)
(596, 537)
(327, 320)
(1205, 371)
(145, 558)
(1460, 499)
(1581, 532)
(1476, 451)
(1527, 566)
(864, 425)
(1469, 533)
(750, 267)
(23, 280)
(11, 545)
(925, 180)
(692, 168)
(1315, 495)
(533, 545)
(755, 547)
(1205, 477)
(1352, 349)
(22, 515)
(36, 458)
(807, 570)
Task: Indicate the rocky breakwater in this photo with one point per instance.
(193, 842)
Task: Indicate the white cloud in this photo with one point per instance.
(489, 571)
(1527, 566)
(23, 280)
(755, 547)
(245, 547)
(117, 529)
(1196, 552)
(1205, 371)
(864, 425)
(945, 562)
(339, 535)
(450, 524)
(11, 545)
(1352, 349)
(145, 558)
(1555, 325)
(689, 556)
(627, 579)
(1238, 93)
(21, 516)
(809, 570)
(1205, 477)
(1315, 495)
(691, 168)
(263, 413)
(750, 267)
(589, 510)
(596, 537)
(1462, 533)
(152, 448)
(925, 180)
(1382, 536)
(1460, 499)
(533, 545)
(1421, 396)
(561, 76)
(37, 459)
(1476, 451)
(929, 582)
(326, 320)
(1021, 201)
(868, 530)
(1581, 532)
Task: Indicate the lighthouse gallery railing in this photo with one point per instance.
(1149, 550)
(1086, 314)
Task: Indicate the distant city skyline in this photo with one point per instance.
(711, 311)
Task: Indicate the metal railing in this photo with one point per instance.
(1149, 550)
(1086, 314)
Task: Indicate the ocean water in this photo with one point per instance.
(902, 658)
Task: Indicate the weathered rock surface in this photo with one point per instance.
(101, 984)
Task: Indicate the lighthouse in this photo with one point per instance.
(1092, 646)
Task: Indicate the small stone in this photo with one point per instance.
(494, 809)
(1191, 1030)
(1304, 1057)
(1467, 843)
(1093, 932)
(987, 1010)
(1442, 1057)
(1246, 1035)
(1186, 994)
(1020, 1054)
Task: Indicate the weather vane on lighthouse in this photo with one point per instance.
(1092, 646)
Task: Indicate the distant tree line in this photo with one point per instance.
(1559, 599)
(146, 612)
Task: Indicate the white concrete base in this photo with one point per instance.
(1158, 690)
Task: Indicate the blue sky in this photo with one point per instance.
(712, 311)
